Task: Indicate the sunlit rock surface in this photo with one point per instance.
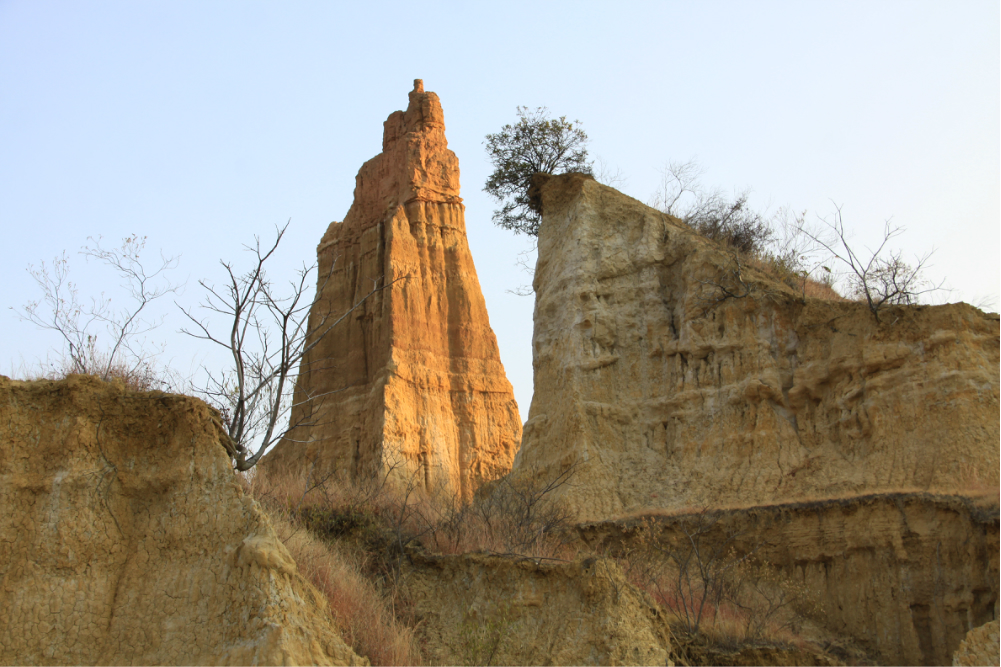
(411, 383)
(126, 539)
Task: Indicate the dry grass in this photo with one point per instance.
(804, 285)
(137, 377)
(351, 541)
(363, 613)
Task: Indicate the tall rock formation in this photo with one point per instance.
(671, 396)
(126, 539)
(412, 381)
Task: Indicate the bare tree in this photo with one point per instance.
(99, 338)
(268, 335)
(879, 277)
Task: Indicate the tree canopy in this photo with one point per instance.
(535, 144)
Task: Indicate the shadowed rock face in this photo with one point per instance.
(126, 539)
(904, 575)
(412, 380)
(671, 397)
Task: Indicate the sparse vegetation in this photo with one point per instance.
(535, 144)
(883, 278)
(787, 249)
(355, 541)
(713, 586)
(100, 337)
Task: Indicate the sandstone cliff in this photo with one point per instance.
(127, 540)
(413, 381)
(671, 396)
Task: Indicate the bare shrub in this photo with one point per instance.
(877, 277)
(728, 221)
(266, 333)
(520, 516)
(99, 337)
(709, 586)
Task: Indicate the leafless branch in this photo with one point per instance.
(880, 276)
(84, 327)
(267, 336)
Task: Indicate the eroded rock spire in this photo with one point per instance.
(411, 383)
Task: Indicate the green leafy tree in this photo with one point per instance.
(535, 144)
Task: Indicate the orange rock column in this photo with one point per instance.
(411, 382)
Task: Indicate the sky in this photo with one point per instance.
(199, 125)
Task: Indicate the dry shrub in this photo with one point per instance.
(520, 517)
(362, 612)
(141, 376)
(711, 589)
(353, 541)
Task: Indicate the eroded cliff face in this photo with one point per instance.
(480, 610)
(668, 395)
(904, 575)
(412, 381)
(126, 539)
(849, 452)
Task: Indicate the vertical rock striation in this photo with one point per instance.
(671, 396)
(866, 451)
(412, 380)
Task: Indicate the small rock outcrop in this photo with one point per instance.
(411, 382)
(127, 539)
(478, 609)
(980, 647)
(669, 394)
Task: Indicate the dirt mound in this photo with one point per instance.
(127, 539)
(980, 647)
(482, 610)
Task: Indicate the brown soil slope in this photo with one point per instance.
(412, 381)
(671, 395)
(125, 539)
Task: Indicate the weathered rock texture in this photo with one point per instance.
(904, 575)
(489, 610)
(416, 370)
(980, 647)
(669, 396)
(125, 539)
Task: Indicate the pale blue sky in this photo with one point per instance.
(199, 124)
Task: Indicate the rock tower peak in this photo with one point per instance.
(412, 381)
